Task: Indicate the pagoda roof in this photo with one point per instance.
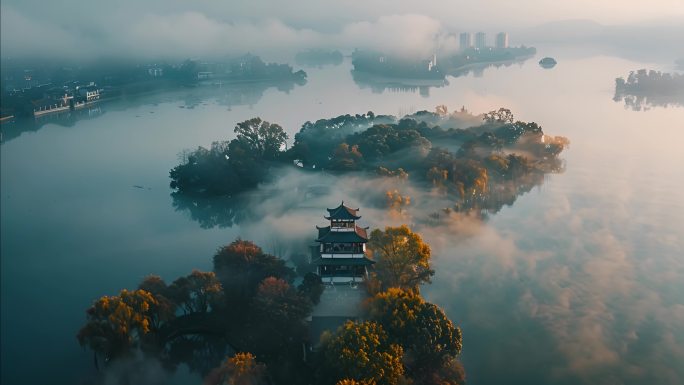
(343, 212)
(359, 235)
(343, 261)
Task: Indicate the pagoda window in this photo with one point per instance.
(342, 224)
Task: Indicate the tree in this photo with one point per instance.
(241, 369)
(361, 352)
(264, 139)
(242, 265)
(423, 330)
(395, 201)
(312, 287)
(165, 309)
(348, 381)
(117, 323)
(346, 158)
(197, 292)
(403, 259)
(381, 140)
(502, 115)
(280, 304)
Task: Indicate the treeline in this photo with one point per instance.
(482, 166)
(245, 322)
(643, 89)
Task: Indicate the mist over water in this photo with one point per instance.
(578, 281)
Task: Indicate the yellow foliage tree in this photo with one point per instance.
(117, 323)
(403, 259)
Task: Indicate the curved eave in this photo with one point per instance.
(343, 262)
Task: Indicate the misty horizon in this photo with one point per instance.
(86, 32)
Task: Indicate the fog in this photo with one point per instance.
(80, 30)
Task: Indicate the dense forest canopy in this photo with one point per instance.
(476, 162)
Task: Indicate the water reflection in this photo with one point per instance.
(211, 211)
(224, 94)
(15, 127)
(645, 89)
(477, 69)
(380, 84)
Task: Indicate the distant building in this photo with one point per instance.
(480, 40)
(501, 40)
(466, 39)
(155, 72)
(89, 93)
(432, 63)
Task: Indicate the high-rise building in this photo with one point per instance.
(466, 39)
(501, 40)
(480, 40)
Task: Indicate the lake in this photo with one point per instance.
(580, 281)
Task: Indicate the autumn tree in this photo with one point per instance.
(361, 352)
(403, 259)
(164, 309)
(116, 324)
(241, 369)
(197, 293)
(242, 265)
(423, 330)
(262, 138)
(346, 158)
(348, 381)
(279, 303)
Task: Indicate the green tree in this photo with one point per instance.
(115, 324)
(426, 334)
(264, 139)
(361, 352)
(403, 259)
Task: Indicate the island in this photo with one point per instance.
(547, 62)
(431, 166)
(411, 68)
(644, 89)
(358, 319)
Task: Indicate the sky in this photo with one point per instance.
(183, 28)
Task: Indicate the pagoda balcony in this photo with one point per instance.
(343, 248)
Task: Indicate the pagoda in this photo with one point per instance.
(340, 255)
